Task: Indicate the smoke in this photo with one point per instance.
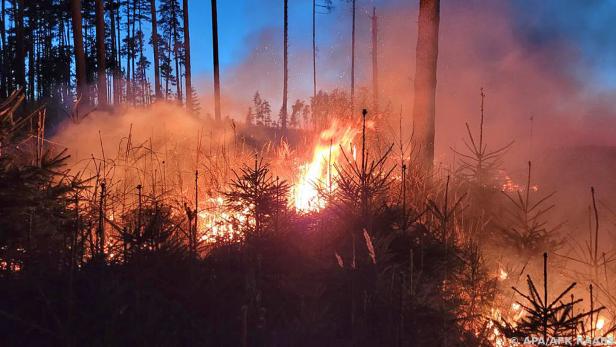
(534, 65)
(526, 70)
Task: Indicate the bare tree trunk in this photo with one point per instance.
(129, 44)
(285, 88)
(31, 59)
(20, 53)
(100, 52)
(119, 53)
(216, 67)
(80, 58)
(353, 62)
(375, 63)
(156, 47)
(133, 54)
(176, 58)
(188, 89)
(114, 53)
(314, 49)
(425, 78)
(3, 53)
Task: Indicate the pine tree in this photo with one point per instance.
(266, 111)
(249, 117)
(258, 107)
(171, 27)
(296, 111)
(306, 115)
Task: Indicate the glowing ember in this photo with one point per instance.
(509, 185)
(319, 171)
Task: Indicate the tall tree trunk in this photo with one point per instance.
(119, 52)
(80, 58)
(20, 53)
(216, 67)
(353, 61)
(285, 87)
(129, 51)
(3, 53)
(375, 63)
(31, 60)
(133, 51)
(425, 78)
(314, 49)
(188, 89)
(142, 69)
(156, 47)
(114, 53)
(100, 52)
(176, 57)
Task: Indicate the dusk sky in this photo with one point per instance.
(586, 25)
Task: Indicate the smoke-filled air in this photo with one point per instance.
(307, 173)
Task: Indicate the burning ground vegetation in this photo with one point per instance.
(217, 238)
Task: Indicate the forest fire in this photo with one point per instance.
(318, 173)
(215, 222)
(367, 205)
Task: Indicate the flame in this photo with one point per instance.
(600, 323)
(319, 170)
(216, 223)
(503, 275)
(509, 185)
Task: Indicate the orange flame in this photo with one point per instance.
(319, 170)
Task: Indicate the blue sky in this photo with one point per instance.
(246, 26)
(588, 23)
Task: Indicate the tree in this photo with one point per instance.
(266, 111)
(306, 114)
(285, 88)
(114, 53)
(255, 194)
(353, 59)
(296, 111)
(258, 105)
(155, 49)
(425, 77)
(189, 105)
(100, 52)
(249, 117)
(4, 52)
(327, 6)
(375, 63)
(216, 67)
(262, 110)
(172, 29)
(80, 58)
(20, 59)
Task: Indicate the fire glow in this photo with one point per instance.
(319, 171)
